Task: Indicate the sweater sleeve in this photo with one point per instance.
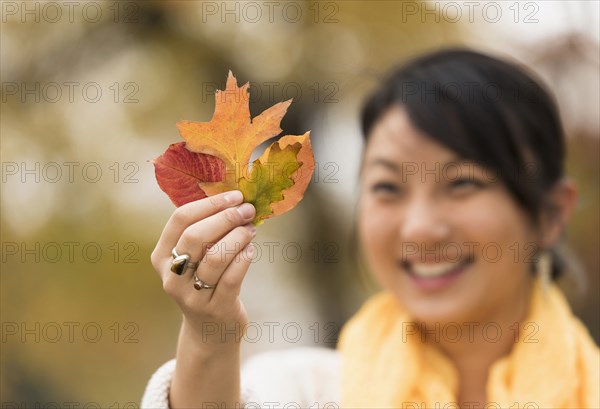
(297, 377)
(300, 377)
(156, 395)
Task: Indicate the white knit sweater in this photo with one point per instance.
(302, 377)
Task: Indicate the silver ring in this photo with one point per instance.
(181, 263)
(199, 284)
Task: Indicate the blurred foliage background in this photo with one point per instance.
(91, 90)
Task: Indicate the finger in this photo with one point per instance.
(192, 212)
(211, 267)
(219, 256)
(197, 237)
(230, 283)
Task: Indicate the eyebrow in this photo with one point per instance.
(394, 167)
(385, 163)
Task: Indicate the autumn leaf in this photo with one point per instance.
(301, 178)
(274, 183)
(179, 170)
(268, 179)
(230, 134)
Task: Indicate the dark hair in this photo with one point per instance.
(486, 110)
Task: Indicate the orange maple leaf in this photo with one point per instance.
(231, 136)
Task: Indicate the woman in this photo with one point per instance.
(462, 201)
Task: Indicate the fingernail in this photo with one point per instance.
(235, 196)
(246, 210)
(250, 250)
(252, 229)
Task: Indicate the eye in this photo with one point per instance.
(464, 183)
(385, 188)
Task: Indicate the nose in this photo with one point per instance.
(423, 223)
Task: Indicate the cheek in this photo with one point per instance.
(377, 234)
(499, 228)
(369, 222)
(502, 228)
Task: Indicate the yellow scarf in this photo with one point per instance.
(384, 366)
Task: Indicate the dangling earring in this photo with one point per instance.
(544, 268)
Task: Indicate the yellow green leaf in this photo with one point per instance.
(269, 179)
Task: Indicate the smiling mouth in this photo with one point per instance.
(434, 270)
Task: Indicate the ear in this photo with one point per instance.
(562, 198)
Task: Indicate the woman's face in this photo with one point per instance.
(439, 232)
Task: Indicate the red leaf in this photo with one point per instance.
(179, 170)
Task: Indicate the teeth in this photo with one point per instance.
(433, 270)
